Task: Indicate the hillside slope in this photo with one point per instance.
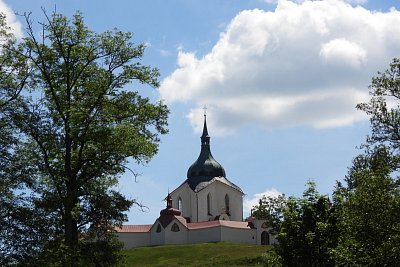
(207, 254)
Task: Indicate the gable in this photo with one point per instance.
(219, 180)
(219, 186)
(166, 221)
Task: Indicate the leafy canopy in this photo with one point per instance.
(78, 123)
(369, 216)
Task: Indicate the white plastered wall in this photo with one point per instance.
(185, 236)
(187, 196)
(218, 190)
(133, 240)
(229, 234)
(205, 235)
(157, 238)
(180, 237)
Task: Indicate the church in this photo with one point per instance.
(206, 207)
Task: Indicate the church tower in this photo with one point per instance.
(207, 194)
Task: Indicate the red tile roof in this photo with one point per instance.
(165, 220)
(190, 226)
(133, 228)
(209, 224)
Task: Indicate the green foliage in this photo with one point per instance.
(383, 108)
(89, 253)
(370, 199)
(308, 230)
(13, 211)
(271, 259)
(369, 217)
(270, 209)
(77, 125)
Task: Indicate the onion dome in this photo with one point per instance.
(205, 168)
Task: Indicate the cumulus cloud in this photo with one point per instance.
(341, 51)
(248, 204)
(302, 64)
(358, 2)
(301, 1)
(11, 19)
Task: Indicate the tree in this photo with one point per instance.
(270, 209)
(308, 230)
(369, 217)
(384, 110)
(79, 126)
(370, 214)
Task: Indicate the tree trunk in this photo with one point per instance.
(70, 223)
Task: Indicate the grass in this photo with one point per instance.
(206, 254)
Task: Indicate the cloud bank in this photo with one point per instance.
(303, 64)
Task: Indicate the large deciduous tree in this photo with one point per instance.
(370, 215)
(308, 230)
(369, 228)
(79, 123)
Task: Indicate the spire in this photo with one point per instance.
(205, 167)
(205, 138)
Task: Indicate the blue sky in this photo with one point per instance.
(280, 80)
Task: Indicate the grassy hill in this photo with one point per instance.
(207, 254)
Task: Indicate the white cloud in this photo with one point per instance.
(301, 64)
(357, 2)
(165, 53)
(248, 204)
(11, 19)
(340, 51)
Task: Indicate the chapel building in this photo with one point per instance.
(206, 207)
(207, 194)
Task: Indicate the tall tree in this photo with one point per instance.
(80, 124)
(308, 230)
(370, 214)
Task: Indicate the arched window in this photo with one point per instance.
(180, 203)
(209, 204)
(227, 204)
(158, 228)
(175, 228)
(264, 238)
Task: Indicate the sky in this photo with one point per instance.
(280, 80)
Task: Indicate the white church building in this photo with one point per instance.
(206, 207)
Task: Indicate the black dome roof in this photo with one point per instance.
(205, 167)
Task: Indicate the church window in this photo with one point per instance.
(175, 228)
(158, 228)
(180, 203)
(226, 204)
(209, 204)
